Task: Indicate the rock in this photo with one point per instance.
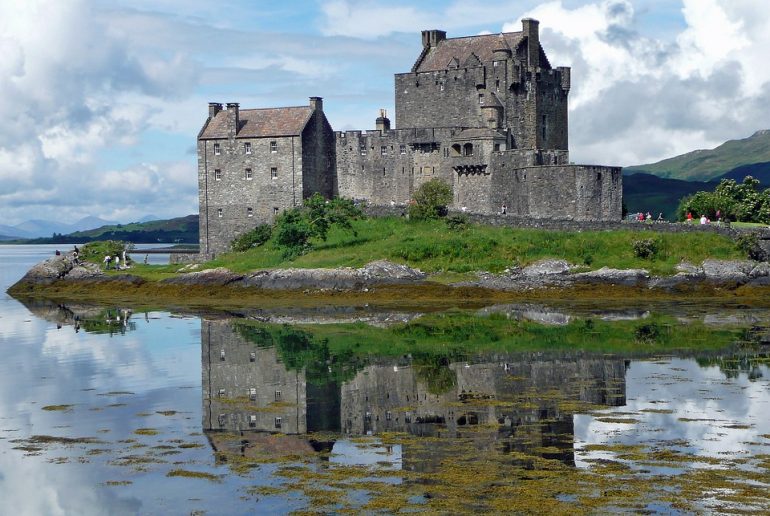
(210, 277)
(546, 268)
(84, 270)
(384, 271)
(728, 271)
(688, 268)
(760, 270)
(605, 275)
(48, 271)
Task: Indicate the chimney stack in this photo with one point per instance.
(383, 122)
(214, 108)
(317, 103)
(531, 29)
(431, 38)
(233, 119)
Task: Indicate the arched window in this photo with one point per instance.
(468, 149)
(457, 150)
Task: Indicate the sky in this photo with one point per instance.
(101, 100)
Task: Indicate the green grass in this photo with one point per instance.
(432, 247)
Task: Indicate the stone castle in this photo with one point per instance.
(486, 114)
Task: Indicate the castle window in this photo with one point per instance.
(278, 422)
(219, 212)
(468, 149)
(273, 172)
(363, 149)
(494, 64)
(273, 146)
(247, 147)
(497, 147)
(545, 125)
(441, 87)
(249, 212)
(217, 149)
(383, 150)
(457, 150)
(247, 175)
(277, 395)
(481, 98)
(497, 84)
(383, 171)
(402, 149)
(388, 415)
(217, 174)
(275, 210)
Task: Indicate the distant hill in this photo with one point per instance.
(645, 192)
(45, 228)
(177, 230)
(707, 165)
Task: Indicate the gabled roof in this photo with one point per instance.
(260, 123)
(439, 57)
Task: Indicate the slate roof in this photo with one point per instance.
(260, 123)
(439, 57)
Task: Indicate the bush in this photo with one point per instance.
(96, 251)
(457, 222)
(748, 243)
(254, 238)
(647, 248)
(430, 200)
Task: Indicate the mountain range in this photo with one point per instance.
(46, 228)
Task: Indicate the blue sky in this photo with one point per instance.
(102, 100)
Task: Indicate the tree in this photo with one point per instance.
(430, 200)
(295, 228)
(742, 202)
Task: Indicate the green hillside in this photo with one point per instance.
(177, 230)
(706, 165)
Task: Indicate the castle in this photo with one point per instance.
(486, 114)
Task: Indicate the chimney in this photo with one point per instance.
(531, 29)
(214, 108)
(233, 120)
(317, 103)
(431, 38)
(383, 122)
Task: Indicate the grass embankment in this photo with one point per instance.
(432, 247)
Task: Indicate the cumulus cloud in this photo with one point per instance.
(639, 99)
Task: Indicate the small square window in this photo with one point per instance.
(219, 212)
(273, 146)
(253, 394)
(277, 395)
(217, 174)
(221, 393)
(273, 172)
(363, 150)
(402, 149)
(249, 212)
(275, 210)
(247, 174)
(278, 422)
(217, 149)
(247, 147)
(383, 150)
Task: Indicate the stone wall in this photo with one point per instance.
(275, 184)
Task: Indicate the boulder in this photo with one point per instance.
(48, 271)
(384, 271)
(546, 268)
(728, 271)
(209, 277)
(607, 276)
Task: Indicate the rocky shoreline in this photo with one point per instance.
(542, 275)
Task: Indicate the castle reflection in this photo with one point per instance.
(502, 402)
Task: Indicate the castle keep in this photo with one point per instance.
(486, 114)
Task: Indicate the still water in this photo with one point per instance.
(523, 407)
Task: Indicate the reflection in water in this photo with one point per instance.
(507, 402)
(90, 318)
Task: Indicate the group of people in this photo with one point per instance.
(109, 260)
(704, 219)
(641, 217)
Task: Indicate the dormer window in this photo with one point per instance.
(273, 146)
(217, 149)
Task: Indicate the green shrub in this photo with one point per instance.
(430, 200)
(748, 244)
(647, 248)
(254, 238)
(96, 251)
(457, 222)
